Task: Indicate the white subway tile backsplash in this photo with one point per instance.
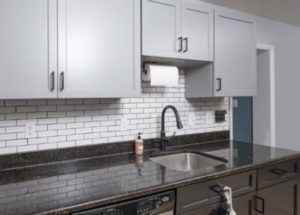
(57, 139)
(13, 103)
(26, 109)
(37, 141)
(75, 125)
(2, 144)
(83, 130)
(7, 109)
(66, 132)
(47, 146)
(12, 116)
(15, 129)
(84, 142)
(8, 137)
(66, 144)
(46, 108)
(37, 102)
(21, 142)
(57, 126)
(47, 133)
(8, 150)
(75, 137)
(62, 123)
(28, 148)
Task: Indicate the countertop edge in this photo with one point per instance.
(169, 186)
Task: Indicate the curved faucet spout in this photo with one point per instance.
(163, 138)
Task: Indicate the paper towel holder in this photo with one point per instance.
(148, 62)
(160, 75)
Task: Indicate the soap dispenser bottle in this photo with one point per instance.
(139, 145)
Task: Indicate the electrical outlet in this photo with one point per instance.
(30, 130)
(192, 119)
(124, 123)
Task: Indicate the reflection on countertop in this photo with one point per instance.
(64, 187)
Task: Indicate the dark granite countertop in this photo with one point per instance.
(68, 186)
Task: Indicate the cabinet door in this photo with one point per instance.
(279, 199)
(235, 54)
(161, 28)
(99, 48)
(197, 30)
(243, 205)
(28, 49)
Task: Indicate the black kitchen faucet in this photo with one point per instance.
(163, 138)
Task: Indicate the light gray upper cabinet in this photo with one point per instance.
(28, 56)
(99, 48)
(180, 29)
(197, 30)
(161, 28)
(69, 48)
(233, 72)
(235, 54)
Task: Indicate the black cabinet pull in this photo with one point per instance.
(279, 172)
(52, 81)
(180, 44)
(62, 81)
(186, 40)
(259, 205)
(219, 211)
(218, 188)
(219, 84)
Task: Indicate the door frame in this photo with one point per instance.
(271, 49)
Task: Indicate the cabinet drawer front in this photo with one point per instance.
(198, 195)
(277, 173)
(243, 205)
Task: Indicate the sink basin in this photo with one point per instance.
(187, 161)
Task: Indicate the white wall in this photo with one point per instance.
(286, 39)
(262, 102)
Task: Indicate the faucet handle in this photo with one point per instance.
(174, 134)
(172, 138)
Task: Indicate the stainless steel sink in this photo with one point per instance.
(187, 161)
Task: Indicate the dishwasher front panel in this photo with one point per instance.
(159, 204)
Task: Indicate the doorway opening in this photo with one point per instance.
(253, 118)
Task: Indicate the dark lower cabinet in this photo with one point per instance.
(269, 190)
(243, 205)
(279, 199)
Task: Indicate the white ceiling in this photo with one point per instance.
(287, 11)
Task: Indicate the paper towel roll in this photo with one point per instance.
(160, 75)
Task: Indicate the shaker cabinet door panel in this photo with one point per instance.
(99, 48)
(235, 54)
(28, 56)
(197, 31)
(161, 28)
(243, 205)
(279, 199)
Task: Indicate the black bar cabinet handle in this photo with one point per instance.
(62, 81)
(219, 84)
(52, 81)
(262, 209)
(180, 44)
(279, 171)
(186, 40)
